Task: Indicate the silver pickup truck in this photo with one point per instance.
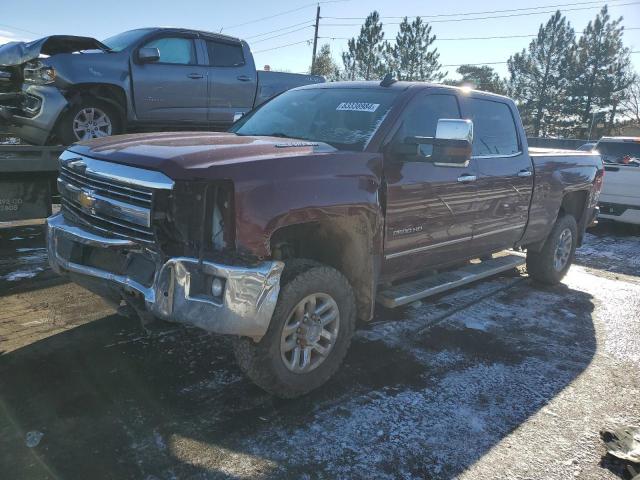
(61, 89)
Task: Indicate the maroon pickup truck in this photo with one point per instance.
(286, 230)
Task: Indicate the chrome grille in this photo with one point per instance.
(113, 199)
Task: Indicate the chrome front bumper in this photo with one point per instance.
(175, 293)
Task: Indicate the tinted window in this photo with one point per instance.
(345, 118)
(494, 131)
(175, 50)
(422, 115)
(225, 54)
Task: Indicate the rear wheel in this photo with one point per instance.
(309, 333)
(551, 264)
(90, 118)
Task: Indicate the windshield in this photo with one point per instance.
(345, 118)
(119, 42)
(615, 152)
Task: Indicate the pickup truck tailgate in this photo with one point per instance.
(621, 185)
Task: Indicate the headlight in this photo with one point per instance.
(38, 73)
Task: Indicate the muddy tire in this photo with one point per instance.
(550, 265)
(315, 315)
(86, 119)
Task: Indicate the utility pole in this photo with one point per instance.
(315, 38)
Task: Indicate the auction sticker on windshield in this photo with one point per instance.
(358, 107)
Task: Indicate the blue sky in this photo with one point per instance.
(29, 19)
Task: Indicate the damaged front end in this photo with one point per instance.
(29, 99)
(163, 247)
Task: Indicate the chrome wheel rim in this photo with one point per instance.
(563, 250)
(310, 333)
(91, 123)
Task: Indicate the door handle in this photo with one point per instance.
(195, 75)
(525, 173)
(244, 78)
(467, 178)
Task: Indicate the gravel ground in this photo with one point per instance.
(502, 379)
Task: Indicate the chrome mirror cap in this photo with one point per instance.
(455, 129)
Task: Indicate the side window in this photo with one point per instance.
(175, 50)
(494, 130)
(225, 54)
(422, 115)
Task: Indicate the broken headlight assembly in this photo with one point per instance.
(38, 73)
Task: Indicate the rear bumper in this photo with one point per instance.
(176, 290)
(32, 113)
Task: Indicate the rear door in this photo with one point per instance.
(505, 174)
(173, 89)
(429, 208)
(232, 81)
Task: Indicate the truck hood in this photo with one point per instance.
(190, 155)
(16, 53)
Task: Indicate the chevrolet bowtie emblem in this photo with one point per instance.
(86, 199)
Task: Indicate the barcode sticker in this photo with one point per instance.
(358, 107)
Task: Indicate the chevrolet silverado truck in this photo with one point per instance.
(323, 201)
(61, 89)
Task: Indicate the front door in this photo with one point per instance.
(505, 175)
(232, 82)
(429, 208)
(172, 90)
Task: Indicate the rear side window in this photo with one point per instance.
(175, 50)
(225, 54)
(422, 115)
(494, 130)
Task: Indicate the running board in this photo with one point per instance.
(404, 293)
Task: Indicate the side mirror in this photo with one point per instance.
(148, 55)
(454, 139)
(451, 145)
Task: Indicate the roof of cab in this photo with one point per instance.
(205, 33)
(399, 85)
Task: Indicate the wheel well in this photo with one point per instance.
(111, 94)
(344, 244)
(574, 204)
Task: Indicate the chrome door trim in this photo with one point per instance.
(497, 155)
(500, 230)
(426, 247)
(451, 242)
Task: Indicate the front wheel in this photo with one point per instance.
(308, 336)
(89, 118)
(551, 264)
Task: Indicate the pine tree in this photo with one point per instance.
(324, 64)
(411, 58)
(601, 71)
(539, 76)
(482, 78)
(363, 60)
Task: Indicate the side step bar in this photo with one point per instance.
(404, 293)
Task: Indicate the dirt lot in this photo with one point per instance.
(499, 380)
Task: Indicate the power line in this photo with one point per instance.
(496, 37)
(306, 22)
(286, 45)
(19, 29)
(286, 12)
(281, 35)
(484, 18)
(460, 14)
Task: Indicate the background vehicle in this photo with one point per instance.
(148, 78)
(319, 203)
(620, 198)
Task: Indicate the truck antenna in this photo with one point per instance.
(388, 80)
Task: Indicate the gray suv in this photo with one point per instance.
(61, 89)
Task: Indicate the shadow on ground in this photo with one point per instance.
(424, 396)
